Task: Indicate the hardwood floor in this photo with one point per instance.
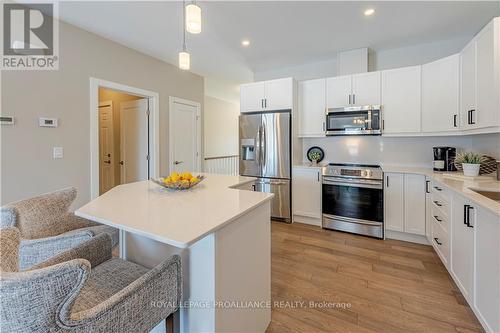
(360, 284)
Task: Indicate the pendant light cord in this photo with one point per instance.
(184, 25)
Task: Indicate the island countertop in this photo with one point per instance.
(177, 218)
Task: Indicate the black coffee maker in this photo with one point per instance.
(444, 158)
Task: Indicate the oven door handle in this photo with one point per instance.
(352, 220)
(374, 184)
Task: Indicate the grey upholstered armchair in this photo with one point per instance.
(85, 290)
(47, 226)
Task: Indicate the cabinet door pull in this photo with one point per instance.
(427, 182)
(349, 100)
(465, 214)
(318, 176)
(455, 120)
(262, 103)
(387, 181)
(438, 188)
(437, 241)
(324, 127)
(437, 203)
(437, 218)
(353, 98)
(472, 122)
(468, 216)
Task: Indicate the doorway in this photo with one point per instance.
(124, 135)
(184, 135)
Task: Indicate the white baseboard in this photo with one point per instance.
(412, 238)
(307, 220)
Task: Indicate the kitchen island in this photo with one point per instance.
(220, 230)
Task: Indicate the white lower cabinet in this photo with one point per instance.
(404, 203)
(394, 201)
(487, 264)
(462, 248)
(306, 195)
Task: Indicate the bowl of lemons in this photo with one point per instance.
(179, 181)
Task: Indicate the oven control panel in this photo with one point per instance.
(354, 171)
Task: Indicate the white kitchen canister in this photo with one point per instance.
(471, 170)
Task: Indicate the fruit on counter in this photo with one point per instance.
(184, 178)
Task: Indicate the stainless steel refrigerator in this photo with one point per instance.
(265, 150)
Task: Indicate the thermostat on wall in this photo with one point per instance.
(47, 122)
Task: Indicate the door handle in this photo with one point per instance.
(107, 162)
(427, 182)
(109, 155)
(265, 103)
(121, 162)
(465, 214)
(437, 218)
(454, 120)
(437, 203)
(437, 241)
(387, 181)
(353, 98)
(349, 100)
(178, 162)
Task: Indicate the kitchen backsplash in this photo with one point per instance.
(408, 151)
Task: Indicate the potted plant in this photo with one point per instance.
(315, 157)
(471, 163)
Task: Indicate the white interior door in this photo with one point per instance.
(106, 147)
(185, 137)
(134, 141)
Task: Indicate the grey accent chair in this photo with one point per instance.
(85, 290)
(47, 226)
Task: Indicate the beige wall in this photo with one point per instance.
(116, 97)
(27, 166)
(220, 127)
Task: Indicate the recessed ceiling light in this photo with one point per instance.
(245, 42)
(369, 12)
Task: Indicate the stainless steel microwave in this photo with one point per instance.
(354, 120)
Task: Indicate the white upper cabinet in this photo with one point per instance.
(267, 95)
(252, 97)
(366, 89)
(440, 95)
(468, 86)
(338, 91)
(401, 100)
(312, 104)
(350, 90)
(488, 75)
(279, 94)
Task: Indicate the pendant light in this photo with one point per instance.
(193, 18)
(184, 56)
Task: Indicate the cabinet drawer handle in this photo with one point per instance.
(437, 241)
(455, 120)
(438, 188)
(472, 122)
(468, 216)
(437, 218)
(427, 182)
(437, 203)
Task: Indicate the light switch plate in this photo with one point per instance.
(58, 152)
(47, 122)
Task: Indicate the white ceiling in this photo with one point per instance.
(282, 34)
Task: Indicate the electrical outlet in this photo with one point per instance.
(58, 152)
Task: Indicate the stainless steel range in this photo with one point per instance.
(353, 199)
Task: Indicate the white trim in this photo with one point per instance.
(154, 133)
(171, 101)
(403, 236)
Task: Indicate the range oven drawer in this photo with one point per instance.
(366, 228)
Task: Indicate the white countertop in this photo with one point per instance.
(461, 185)
(177, 218)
